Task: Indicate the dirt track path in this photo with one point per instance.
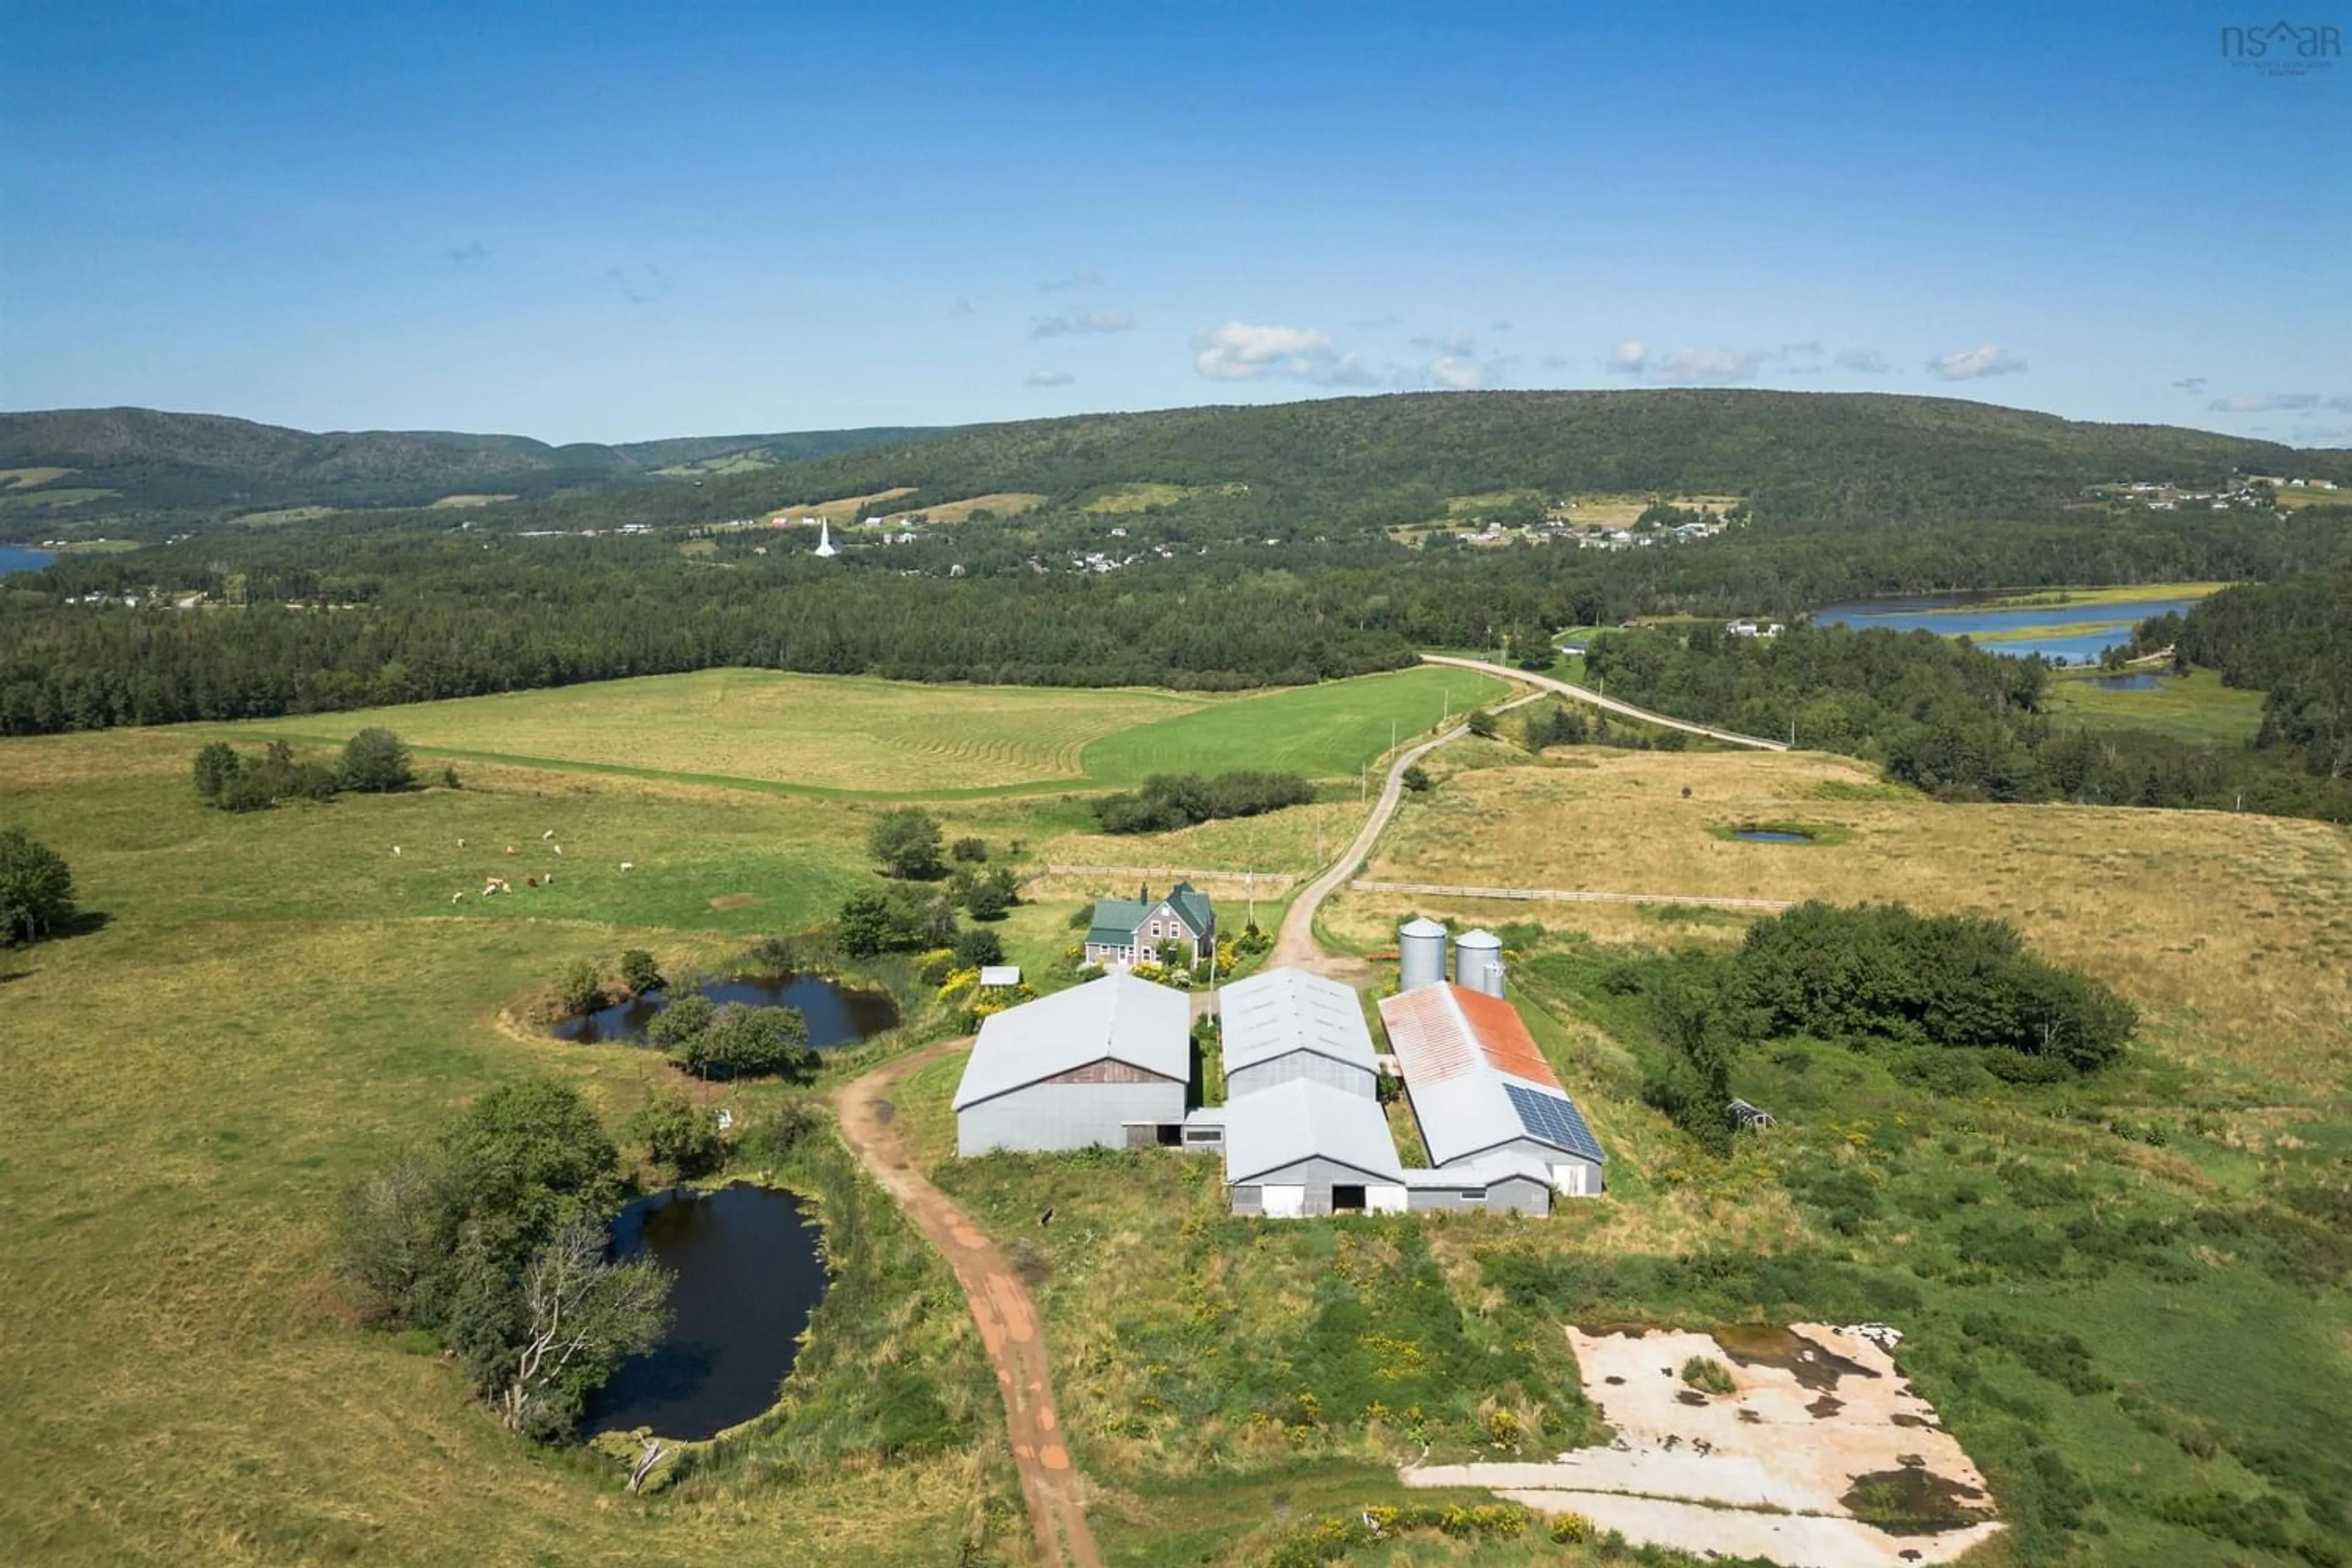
(1295, 946)
(1009, 1323)
(1610, 704)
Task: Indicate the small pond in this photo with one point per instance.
(2077, 633)
(2141, 682)
(836, 1015)
(1771, 835)
(748, 1274)
(17, 558)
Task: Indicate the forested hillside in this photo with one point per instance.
(143, 460)
(1339, 463)
(1363, 462)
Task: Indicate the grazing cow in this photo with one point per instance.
(530, 881)
(558, 848)
(395, 848)
(629, 865)
(461, 844)
(458, 897)
(549, 834)
(511, 849)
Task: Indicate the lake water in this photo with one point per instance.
(1771, 835)
(2142, 683)
(836, 1016)
(749, 1274)
(17, 558)
(1953, 616)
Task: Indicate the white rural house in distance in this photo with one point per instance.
(1107, 1062)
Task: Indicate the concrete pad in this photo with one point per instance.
(1762, 1471)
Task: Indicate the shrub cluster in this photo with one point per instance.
(1879, 971)
(734, 1041)
(1170, 801)
(494, 1238)
(36, 891)
(904, 917)
(375, 761)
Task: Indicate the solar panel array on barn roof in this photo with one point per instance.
(1476, 1077)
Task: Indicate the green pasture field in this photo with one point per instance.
(2192, 707)
(261, 1008)
(855, 736)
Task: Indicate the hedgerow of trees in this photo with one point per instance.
(1171, 801)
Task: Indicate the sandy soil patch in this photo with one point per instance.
(1819, 1426)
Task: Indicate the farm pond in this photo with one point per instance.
(749, 1274)
(2076, 633)
(837, 1015)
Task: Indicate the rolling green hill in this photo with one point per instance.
(1377, 461)
(142, 460)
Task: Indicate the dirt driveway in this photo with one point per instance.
(1002, 1306)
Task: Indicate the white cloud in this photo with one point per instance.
(1242, 350)
(961, 305)
(1864, 362)
(2192, 385)
(1083, 278)
(473, 250)
(1683, 367)
(1971, 365)
(1075, 323)
(2288, 402)
(1456, 342)
(1048, 378)
(1460, 372)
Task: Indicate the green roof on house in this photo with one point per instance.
(1116, 918)
(1115, 921)
(1192, 904)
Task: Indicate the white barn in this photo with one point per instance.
(1489, 1107)
(1107, 1062)
(1302, 1147)
(1285, 1024)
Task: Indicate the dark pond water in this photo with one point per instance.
(2095, 628)
(836, 1016)
(1771, 835)
(17, 558)
(2127, 683)
(748, 1276)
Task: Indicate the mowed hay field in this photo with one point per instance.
(2234, 931)
(268, 1005)
(853, 735)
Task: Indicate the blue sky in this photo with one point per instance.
(590, 222)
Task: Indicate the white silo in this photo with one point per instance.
(1478, 962)
(1421, 953)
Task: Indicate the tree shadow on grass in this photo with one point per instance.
(85, 923)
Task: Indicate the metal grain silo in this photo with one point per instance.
(1421, 953)
(1478, 962)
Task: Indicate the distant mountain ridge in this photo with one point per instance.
(151, 459)
(1352, 461)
